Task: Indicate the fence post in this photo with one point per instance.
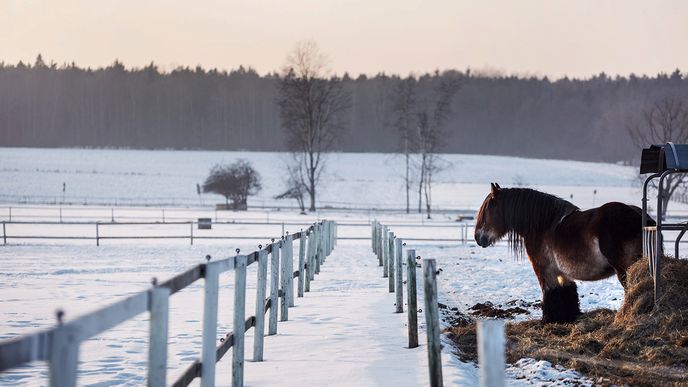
(399, 279)
(10, 214)
(274, 288)
(64, 357)
(308, 264)
(378, 243)
(432, 321)
(302, 263)
(97, 234)
(412, 301)
(191, 233)
(261, 285)
(373, 229)
(318, 247)
(208, 351)
(284, 283)
(390, 262)
(4, 234)
(290, 265)
(384, 248)
(491, 353)
(157, 348)
(239, 316)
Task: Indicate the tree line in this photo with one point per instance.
(49, 105)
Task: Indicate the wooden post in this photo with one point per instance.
(191, 224)
(97, 234)
(261, 285)
(491, 353)
(4, 234)
(412, 301)
(308, 264)
(399, 279)
(208, 354)
(274, 288)
(289, 246)
(390, 262)
(239, 320)
(157, 348)
(373, 230)
(318, 247)
(385, 268)
(432, 322)
(302, 264)
(63, 357)
(284, 283)
(378, 242)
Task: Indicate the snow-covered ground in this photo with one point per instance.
(40, 276)
(361, 180)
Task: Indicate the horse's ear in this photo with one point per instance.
(495, 188)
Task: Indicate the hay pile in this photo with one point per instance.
(637, 345)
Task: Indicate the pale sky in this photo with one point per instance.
(528, 37)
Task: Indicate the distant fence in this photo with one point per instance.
(97, 230)
(59, 346)
(388, 249)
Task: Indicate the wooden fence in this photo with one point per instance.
(491, 344)
(59, 346)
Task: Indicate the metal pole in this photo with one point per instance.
(412, 301)
(432, 321)
(239, 317)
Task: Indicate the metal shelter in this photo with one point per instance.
(660, 161)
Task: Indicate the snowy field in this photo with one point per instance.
(40, 276)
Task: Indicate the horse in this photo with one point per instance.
(562, 242)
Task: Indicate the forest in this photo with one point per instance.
(49, 105)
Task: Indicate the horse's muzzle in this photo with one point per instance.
(482, 239)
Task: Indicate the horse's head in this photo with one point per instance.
(489, 225)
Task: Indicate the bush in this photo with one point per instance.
(236, 182)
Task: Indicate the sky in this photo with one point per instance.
(525, 37)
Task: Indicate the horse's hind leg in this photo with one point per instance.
(560, 303)
(559, 294)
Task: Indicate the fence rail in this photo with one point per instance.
(59, 346)
(389, 251)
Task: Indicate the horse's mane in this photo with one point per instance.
(528, 213)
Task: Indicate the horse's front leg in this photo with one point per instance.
(559, 294)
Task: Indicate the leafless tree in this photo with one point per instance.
(430, 120)
(296, 188)
(235, 182)
(666, 120)
(310, 102)
(404, 106)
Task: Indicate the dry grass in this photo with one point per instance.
(638, 345)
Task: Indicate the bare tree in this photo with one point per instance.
(235, 182)
(295, 189)
(310, 102)
(430, 120)
(666, 120)
(404, 106)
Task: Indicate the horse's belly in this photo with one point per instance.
(585, 264)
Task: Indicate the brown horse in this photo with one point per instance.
(562, 242)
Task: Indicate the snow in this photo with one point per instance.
(342, 333)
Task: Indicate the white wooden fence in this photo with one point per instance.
(491, 344)
(59, 346)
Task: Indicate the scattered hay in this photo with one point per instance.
(638, 345)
